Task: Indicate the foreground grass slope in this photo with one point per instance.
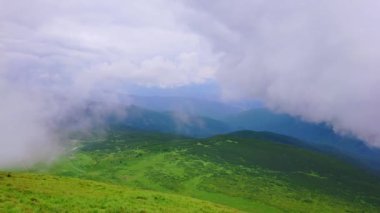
(256, 172)
(25, 192)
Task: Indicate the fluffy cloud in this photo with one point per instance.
(317, 59)
(57, 55)
(135, 42)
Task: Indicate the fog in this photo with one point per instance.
(318, 60)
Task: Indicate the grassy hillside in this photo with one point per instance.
(256, 172)
(23, 192)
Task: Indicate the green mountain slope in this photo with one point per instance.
(251, 171)
(23, 192)
(320, 136)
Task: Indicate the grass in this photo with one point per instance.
(25, 192)
(249, 171)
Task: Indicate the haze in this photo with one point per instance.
(319, 60)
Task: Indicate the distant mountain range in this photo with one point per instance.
(202, 118)
(191, 106)
(169, 122)
(320, 136)
(306, 168)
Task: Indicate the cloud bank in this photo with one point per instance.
(318, 59)
(58, 56)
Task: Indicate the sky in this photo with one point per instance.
(317, 59)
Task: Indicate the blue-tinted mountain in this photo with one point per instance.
(168, 122)
(319, 135)
(193, 106)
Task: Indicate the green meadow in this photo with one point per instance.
(27, 192)
(246, 171)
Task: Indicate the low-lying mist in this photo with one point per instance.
(317, 60)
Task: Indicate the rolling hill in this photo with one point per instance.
(320, 136)
(250, 171)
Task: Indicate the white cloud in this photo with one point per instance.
(315, 59)
(71, 49)
(71, 36)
